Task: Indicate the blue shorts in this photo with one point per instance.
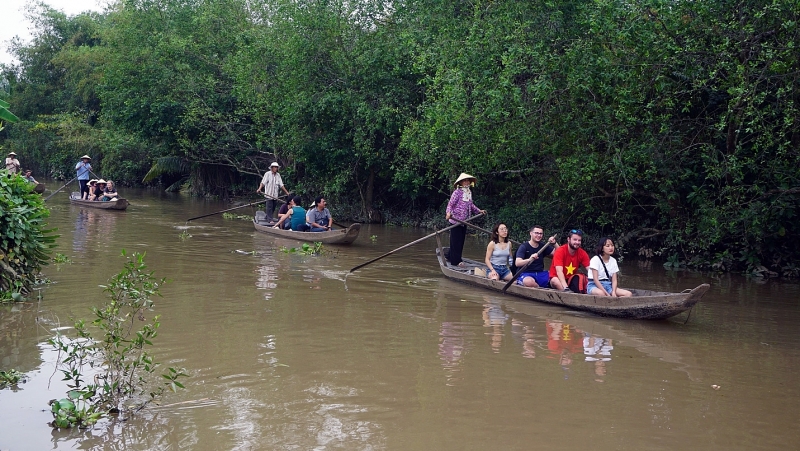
(542, 278)
(502, 270)
(605, 283)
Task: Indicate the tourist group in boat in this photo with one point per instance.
(602, 268)
(292, 215)
(93, 189)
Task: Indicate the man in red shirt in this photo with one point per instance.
(566, 260)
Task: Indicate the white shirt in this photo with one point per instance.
(271, 183)
(597, 265)
(12, 164)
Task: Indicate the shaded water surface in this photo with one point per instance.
(287, 351)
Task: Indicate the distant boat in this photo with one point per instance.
(644, 304)
(339, 236)
(116, 204)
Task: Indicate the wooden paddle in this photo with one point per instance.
(229, 209)
(415, 242)
(522, 270)
(481, 229)
(54, 192)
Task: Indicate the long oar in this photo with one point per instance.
(415, 242)
(54, 192)
(229, 209)
(522, 270)
(480, 228)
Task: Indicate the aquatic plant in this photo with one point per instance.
(111, 371)
(10, 378)
(185, 235)
(61, 258)
(306, 249)
(237, 216)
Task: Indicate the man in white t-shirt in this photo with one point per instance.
(270, 184)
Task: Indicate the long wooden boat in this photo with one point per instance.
(339, 236)
(116, 204)
(644, 304)
(38, 188)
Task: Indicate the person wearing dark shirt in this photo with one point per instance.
(534, 275)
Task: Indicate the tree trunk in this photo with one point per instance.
(373, 216)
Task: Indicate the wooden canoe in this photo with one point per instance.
(644, 304)
(39, 188)
(339, 236)
(116, 204)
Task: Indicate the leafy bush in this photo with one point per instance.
(24, 241)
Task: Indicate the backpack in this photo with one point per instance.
(577, 283)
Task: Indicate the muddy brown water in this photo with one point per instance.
(288, 352)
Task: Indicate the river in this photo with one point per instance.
(289, 352)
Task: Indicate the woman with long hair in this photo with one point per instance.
(497, 254)
(603, 268)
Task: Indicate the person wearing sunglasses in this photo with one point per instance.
(566, 261)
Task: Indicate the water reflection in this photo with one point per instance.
(495, 318)
(152, 432)
(267, 275)
(89, 226)
(525, 334)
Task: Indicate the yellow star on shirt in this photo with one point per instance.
(570, 269)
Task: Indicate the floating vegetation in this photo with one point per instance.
(373, 238)
(306, 249)
(10, 378)
(237, 216)
(61, 258)
(185, 235)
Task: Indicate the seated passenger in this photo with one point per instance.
(285, 207)
(498, 253)
(97, 192)
(91, 186)
(566, 262)
(603, 271)
(284, 217)
(110, 193)
(296, 216)
(319, 218)
(29, 176)
(534, 275)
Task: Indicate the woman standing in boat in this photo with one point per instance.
(497, 254)
(603, 272)
(460, 207)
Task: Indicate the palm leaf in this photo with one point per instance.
(167, 165)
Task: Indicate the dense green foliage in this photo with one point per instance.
(673, 126)
(24, 240)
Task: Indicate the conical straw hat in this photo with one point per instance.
(464, 176)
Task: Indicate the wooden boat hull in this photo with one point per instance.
(340, 236)
(39, 188)
(117, 204)
(644, 304)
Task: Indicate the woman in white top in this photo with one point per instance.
(604, 269)
(497, 253)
